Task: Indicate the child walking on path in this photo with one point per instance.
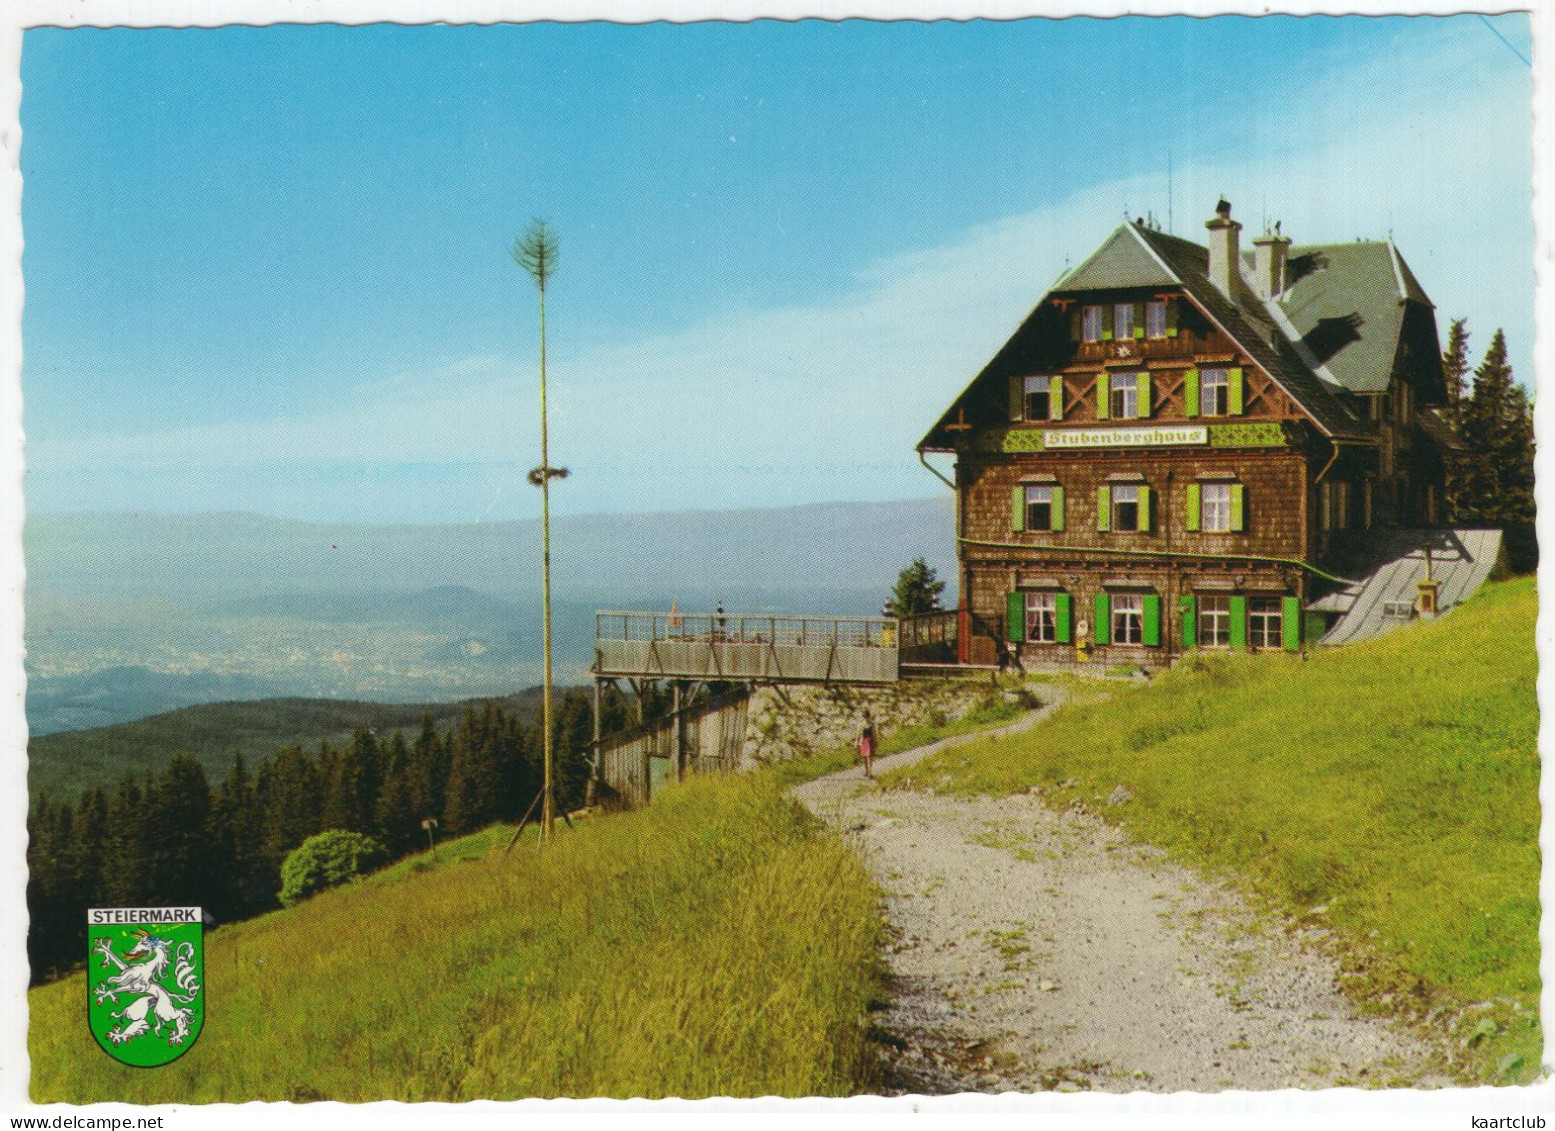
(866, 744)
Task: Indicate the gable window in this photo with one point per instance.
(1123, 320)
(1155, 319)
(1215, 507)
(1125, 507)
(1044, 398)
(1123, 396)
(1042, 617)
(1091, 324)
(1214, 392)
(1264, 622)
(1128, 618)
(1215, 622)
(1039, 507)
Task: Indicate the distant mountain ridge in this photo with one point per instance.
(131, 615)
(814, 547)
(64, 764)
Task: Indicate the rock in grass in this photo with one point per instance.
(1119, 795)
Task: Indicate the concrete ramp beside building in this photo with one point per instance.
(1395, 562)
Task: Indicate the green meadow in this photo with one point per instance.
(719, 942)
(1387, 790)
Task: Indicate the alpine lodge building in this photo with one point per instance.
(1189, 446)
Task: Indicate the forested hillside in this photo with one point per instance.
(173, 837)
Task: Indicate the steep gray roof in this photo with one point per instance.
(1335, 331)
(1347, 301)
(1122, 261)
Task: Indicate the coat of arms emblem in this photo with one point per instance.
(145, 994)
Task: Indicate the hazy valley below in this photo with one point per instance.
(130, 615)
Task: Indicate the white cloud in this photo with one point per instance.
(826, 400)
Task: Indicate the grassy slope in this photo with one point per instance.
(63, 764)
(719, 942)
(1394, 783)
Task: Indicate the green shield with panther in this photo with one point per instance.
(145, 984)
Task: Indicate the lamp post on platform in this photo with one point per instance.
(535, 252)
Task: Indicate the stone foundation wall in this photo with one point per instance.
(801, 721)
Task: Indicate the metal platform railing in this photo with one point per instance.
(745, 646)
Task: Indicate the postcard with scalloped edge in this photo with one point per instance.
(784, 558)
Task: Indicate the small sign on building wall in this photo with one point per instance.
(1125, 437)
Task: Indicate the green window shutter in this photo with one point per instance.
(1103, 619)
(1290, 624)
(1017, 398)
(1142, 395)
(1018, 508)
(1193, 506)
(1106, 322)
(1238, 622)
(1139, 320)
(1238, 507)
(1190, 393)
(1188, 606)
(1103, 395)
(1063, 614)
(1076, 323)
(1104, 508)
(1058, 508)
(1235, 394)
(1171, 317)
(1015, 617)
(1152, 626)
(1144, 508)
(1055, 398)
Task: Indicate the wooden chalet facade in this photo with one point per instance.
(1182, 446)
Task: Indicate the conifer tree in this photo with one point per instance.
(428, 771)
(237, 837)
(397, 818)
(1455, 362)
(917, 591)
(292, 805)
(177, 827)
(472, 777)
(124, 884)
(1493, 475)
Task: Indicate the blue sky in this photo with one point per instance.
(267, 268)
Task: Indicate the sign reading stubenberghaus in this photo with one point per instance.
(145, 986)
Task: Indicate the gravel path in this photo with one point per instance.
(1038, 949)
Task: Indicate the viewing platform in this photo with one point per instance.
(747, 647)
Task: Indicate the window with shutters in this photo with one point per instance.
(1264, 622)
(1042, 617)
(1125, 507)
(1039, 398)
(1123, 397)
(1155, 319)
(1090, 326)
(1123, 321)
(1215, 621)
(1215, 507)
(1128, 618)
(1039, 508)
(1214, 392)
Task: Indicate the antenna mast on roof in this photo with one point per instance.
(1169, 192)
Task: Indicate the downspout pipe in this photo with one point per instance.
(923, 459)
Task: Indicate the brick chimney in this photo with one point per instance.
(1269, 255)
(1224, 249)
